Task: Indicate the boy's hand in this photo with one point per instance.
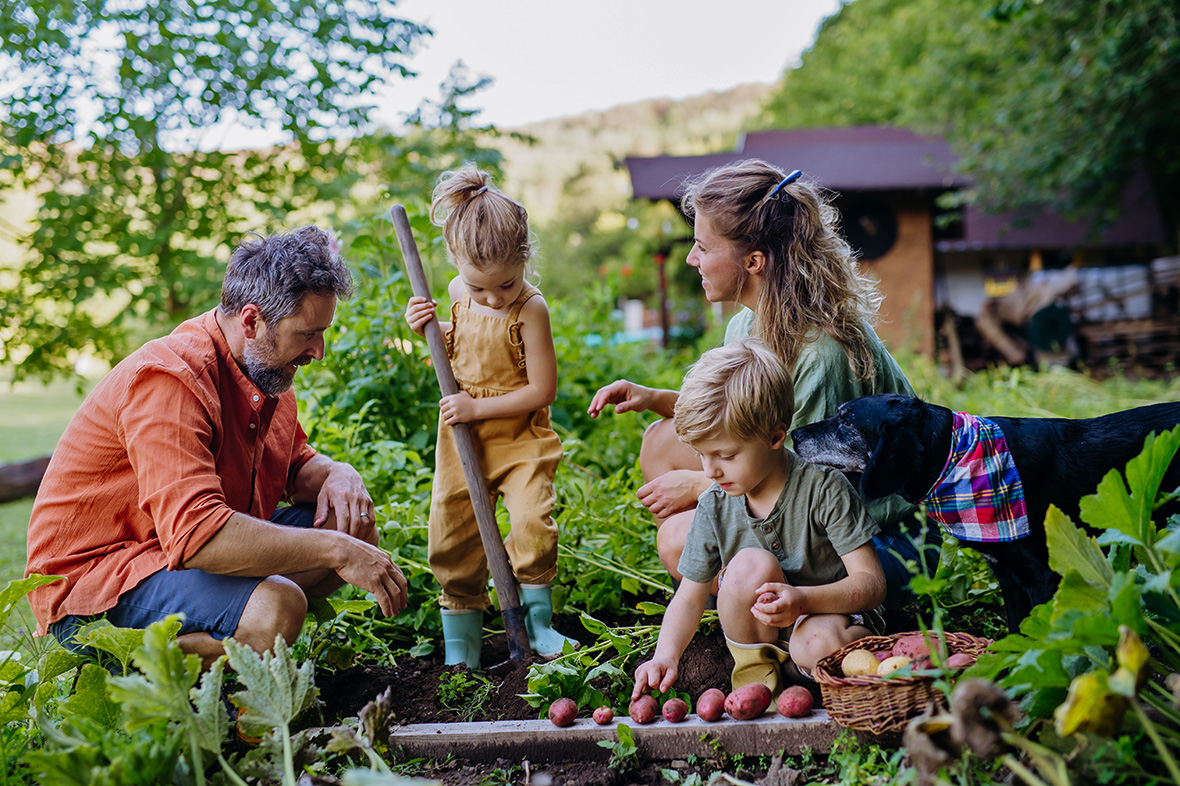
(656, 673)
(777, 605)
(458, 408)
(419, 311)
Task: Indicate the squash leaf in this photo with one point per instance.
(1070, 549)
(277, 690)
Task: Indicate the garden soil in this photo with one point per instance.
(705, 664)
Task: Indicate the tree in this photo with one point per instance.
(114, 115)
(1048, 103)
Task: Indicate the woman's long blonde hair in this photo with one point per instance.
(482, 226)
(811, 280)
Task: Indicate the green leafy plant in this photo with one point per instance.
(624, 753)
(464, 693)
(1077, 657)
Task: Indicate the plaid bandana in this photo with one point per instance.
(979, 496)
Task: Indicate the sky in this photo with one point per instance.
(553, 58)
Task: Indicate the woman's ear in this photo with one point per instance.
(755, 263)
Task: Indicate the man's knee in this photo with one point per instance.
(277, 607)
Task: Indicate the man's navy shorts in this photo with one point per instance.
(211, 603)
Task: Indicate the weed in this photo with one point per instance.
(464, 693)
(624, 753)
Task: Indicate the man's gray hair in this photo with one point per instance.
(274, 273)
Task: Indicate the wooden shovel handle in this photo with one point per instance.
(481, 501)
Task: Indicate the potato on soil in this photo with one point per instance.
(960, 660)
(603, 715)
(748, 701)
(890, 665)
(644, 709)
(711, 705)
(859, 663)
(675, 710)
(795, 702)
(562, 712)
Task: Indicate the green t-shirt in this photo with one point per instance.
(824, 380)
(817, 519)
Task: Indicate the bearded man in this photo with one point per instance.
(163, 494)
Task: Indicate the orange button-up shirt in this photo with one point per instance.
(169, 444)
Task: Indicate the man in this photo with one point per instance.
(162, 495)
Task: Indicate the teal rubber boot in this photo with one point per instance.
(537, 601)
(462, 636)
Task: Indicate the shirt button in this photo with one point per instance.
(766, 528)
(774, 546)
(256, 398)
(253, 426)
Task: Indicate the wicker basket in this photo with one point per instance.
(880, 705)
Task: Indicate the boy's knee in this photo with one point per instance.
(750, 569)
(277, 607)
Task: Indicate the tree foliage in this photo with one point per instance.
(1050, 102)
(118, 115)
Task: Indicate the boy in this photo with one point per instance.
(786, 545)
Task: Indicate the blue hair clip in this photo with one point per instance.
(786, 181)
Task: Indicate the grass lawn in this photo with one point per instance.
(32, 418)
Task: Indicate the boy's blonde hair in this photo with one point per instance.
(812, 281)
(481, 225)
(741, 390)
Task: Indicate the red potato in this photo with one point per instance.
(960, 660)
(711, 705)
(603, 715)
(563, 711)
(883, 654)
(766, 597)
(644, 709)
(675, 710)
(795, 702)
(913, 646)
(748, 701)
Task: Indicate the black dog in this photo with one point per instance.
(899, 444)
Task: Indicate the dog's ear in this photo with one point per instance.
(898, 455)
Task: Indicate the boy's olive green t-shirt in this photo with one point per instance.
(817, 519)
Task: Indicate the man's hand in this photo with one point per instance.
(656, 673)
(625, 396)
(368, 567)
(777, 605)
(671, 492)
(343, 494)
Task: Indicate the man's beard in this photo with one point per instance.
(271, 380)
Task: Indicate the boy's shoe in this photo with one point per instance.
(757, 663)
(537, 601)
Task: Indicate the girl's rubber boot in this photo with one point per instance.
(537, 601)
(757, 663)
(462, 636)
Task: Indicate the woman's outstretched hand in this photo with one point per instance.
(625, 396)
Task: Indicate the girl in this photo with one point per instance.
(771, 242)
(501, 349)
